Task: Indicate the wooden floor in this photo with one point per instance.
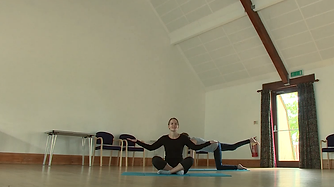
(84, 176)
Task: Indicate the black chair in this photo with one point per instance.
(329, 149)
(198, 153)
(104, 141)
(131, 146)
(188, 152)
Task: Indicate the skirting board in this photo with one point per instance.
(31, 158)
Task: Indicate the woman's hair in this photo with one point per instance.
(174, 119)
(185, 134)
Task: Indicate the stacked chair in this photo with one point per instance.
(130, 146)
(104, 141)
(328, 149)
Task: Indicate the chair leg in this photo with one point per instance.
(93, 157)
(207, 160)
(133, 158)
(321, 162)
(117, 159)
(110, 158)
(120, 156)
(329, 163)
(195, 155)
(144, 158)
(126, 157)
(321, 155)
(101, 154)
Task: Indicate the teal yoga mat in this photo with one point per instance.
(174, 175)
(213, 169)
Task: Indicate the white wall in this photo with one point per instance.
(230, 112)
(87, 66)
(324, 92)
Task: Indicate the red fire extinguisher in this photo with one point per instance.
(254, 149)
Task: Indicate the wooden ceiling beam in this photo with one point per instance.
(266, 40)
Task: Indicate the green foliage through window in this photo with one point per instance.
(291, 103)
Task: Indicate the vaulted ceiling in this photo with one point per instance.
(223, 48)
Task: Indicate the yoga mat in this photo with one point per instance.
(174, 175)
(213, 169)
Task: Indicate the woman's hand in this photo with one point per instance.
(132, 140)
(213, 141)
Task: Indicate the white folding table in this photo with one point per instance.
(51, 142)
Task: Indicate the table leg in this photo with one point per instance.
(53, 143)
(47, 147)
(83, 140)
(90, 149)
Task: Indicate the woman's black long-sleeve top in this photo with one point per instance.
(173, 147)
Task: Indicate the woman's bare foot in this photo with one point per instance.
(241, 167)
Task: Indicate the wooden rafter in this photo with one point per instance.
(266, 40)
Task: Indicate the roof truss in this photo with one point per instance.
(266, 40)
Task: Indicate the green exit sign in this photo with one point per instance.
(297, 73)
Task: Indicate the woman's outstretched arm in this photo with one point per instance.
(193, 146)
(149, 147)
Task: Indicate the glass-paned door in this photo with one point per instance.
(286, 133)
